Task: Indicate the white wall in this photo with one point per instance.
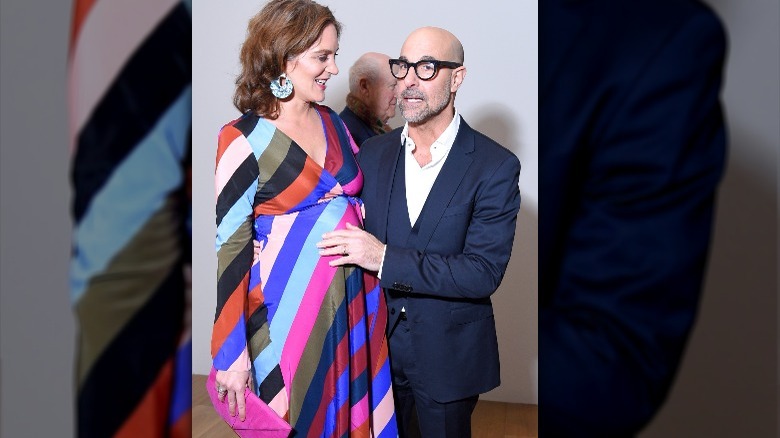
(498, 97)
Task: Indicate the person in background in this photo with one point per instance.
(307, 337)
(442, 200)
(371, 99)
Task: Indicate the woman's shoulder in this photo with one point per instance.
(249, 127)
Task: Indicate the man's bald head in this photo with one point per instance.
(438, 43)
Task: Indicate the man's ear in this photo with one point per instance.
(457, 78)
(363, 86)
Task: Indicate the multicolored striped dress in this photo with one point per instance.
(312, 335)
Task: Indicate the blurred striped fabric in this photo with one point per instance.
(130, 124)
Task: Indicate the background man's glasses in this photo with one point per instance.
(425, 69)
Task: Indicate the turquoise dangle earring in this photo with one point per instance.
(281, 91)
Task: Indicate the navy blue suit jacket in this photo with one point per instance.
(358, 129)
(631, 149)
(464, 242)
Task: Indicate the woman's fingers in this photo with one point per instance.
(241, 402)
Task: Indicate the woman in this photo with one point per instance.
(306, 337)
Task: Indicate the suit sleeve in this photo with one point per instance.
(477, 270)
(636, 247)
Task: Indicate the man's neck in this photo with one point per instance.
(427, 132)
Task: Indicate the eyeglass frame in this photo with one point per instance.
(436, 66)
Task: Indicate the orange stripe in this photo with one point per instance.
(362, 430)
(229, 315)
(80, 10)
(380, 360)
(226, 137)
(295, 192)
(183, 426)
(256, 299)
(150, 417)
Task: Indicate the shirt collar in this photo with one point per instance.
(441, 147)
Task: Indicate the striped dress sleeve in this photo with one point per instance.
(236, 185)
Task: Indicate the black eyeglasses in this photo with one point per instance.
(425, 69)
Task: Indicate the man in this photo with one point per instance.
(631, 143)
(442, 200)
(371, 99)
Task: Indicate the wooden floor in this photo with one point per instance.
(490, 419)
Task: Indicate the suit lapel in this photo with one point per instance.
(447, 183)
(388, 156)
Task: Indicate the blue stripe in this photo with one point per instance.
(233, 346)
(155, 75)
(357, 336)
(390, 430)
(311, 401)
(358, 388)
(291, 256)
(254, 275)
(372, 306)
(181, 402)
(324, 185)
(260, 137)
(237, 215)
(380, 385)
(303, 258)
(349, 169)
(136, 190)
(342, 388)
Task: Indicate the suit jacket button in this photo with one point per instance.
(392, 311)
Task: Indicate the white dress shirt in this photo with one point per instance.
(419, 180)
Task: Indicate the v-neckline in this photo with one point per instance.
(309, 157)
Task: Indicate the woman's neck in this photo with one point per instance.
(295, 111)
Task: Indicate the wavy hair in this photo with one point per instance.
(282, 30)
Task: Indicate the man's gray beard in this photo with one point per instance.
(426, 112)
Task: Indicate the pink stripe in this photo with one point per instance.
(384, 412)
(234, 155)
(242, 362)
(304, 320)
(354, 185)
(352, 145)
(102, 50)
(358, 414)
(281, 229)
(303, 323)
(280, 404)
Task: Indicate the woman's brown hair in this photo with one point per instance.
(282, 30)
